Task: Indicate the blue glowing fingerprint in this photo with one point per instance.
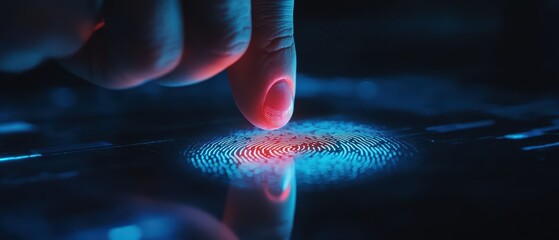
(323, 153)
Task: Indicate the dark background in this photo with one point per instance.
(402, 65)
(508, 44)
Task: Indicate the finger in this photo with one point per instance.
(263, 80)
(217, 33)
(141, 40)
(33, 30)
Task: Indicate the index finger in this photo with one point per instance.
(263, 80)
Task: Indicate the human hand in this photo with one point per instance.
(170, 42)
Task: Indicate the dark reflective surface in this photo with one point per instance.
(97, 164)
(469, 87)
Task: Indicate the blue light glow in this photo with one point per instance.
(19, 157)
(460, 126)
(160, 227)
(15, 127)
(130, 232)
(532, 133)
(523, 135)
(73, 147)
(323, 152)
(539, 147)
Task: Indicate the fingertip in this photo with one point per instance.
(265, 91)
(273, 110)
(278, 106)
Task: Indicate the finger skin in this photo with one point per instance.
(263, 80)
(141, 40)
(217, 33)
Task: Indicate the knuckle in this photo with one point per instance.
(68, 43)
(273, 25)
(277, 43)
(227, 33)
(233, 41)
(149, 55)
(159, 57)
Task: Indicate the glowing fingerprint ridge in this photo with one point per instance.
(323, 153)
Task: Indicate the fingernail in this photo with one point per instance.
(278, 105)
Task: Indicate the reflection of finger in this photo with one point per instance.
(137, 44)
(263, 80)
(217, 33)
(140, 218)
(265, 210)
(197, 224)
